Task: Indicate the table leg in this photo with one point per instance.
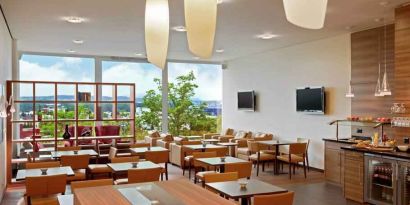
(244, 201)
(276, 160)
(232, 149)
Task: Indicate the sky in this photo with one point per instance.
(50, 68)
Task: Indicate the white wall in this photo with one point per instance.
(274, 75)
(5, 74)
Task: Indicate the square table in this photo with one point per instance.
(201, 147)
(23, 173)
(276, 144)
(254, 187)
(120, 167)
(58, 154)
(210, 141)
(216, 161)
(231, 146)
(142, 150)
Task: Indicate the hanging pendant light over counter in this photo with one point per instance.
(385, 89)
(308, 14)
(200, 21)
(157, 31)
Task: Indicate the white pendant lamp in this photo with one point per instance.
(378, 90)
(350, 93)
(200, 22)
(308, 14)
(385, 89)
(157, 31)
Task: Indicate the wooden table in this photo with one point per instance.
(181, 191)
(217, 162)
(254, 187)
(142, 150)
(201, 147)
(120, 167)
(276, 144)
(58, 154)
(231, 146)
(23, 173)
(210, 141)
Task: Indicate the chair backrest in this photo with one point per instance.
(38, 165)
(304, 140)
(298, 148)
(75, 161)
(46, 185)
(144, 175)
(282, 199)
(194, 142)
(125, 159)
(228, 131)
(244, 169)
(113, 153)
(90, 183)
(68, 148)
(253, 146)
(138, 145)
(220, 177)
(107, 130)
(197, 155)
(157, 156)
(220, 151)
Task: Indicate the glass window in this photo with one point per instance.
(195, 98)
(147, 79)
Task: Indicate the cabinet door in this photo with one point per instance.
(332, 165)
(353, 179)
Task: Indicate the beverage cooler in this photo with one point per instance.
(387, 180)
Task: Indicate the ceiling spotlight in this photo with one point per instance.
(266, 36)
(139, 54)
(74, 19)
(71, 51)
(78, 41)
(220, 50)
(378, 19)
(179, 28)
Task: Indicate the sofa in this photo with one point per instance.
(166, 140)
(228, 132)
(242, 150)
(178, 152)
(152, 138)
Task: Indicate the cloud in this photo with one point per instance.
(72, 60)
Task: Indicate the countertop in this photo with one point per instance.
(394, 154)
(344, 141)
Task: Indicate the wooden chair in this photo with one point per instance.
(282, 199)
(79, 164)
(187, 154)
(219, 177)
(159, 157)
(140, 176)
(220, 151)
(68, 148)
(43, 189)
(102, 168)
(244, 169)
(296, 155)
(257, 156)
(125, 159)
(199, 165)
(139, 145)
(91, 183)
(38, 165)
(307, 141)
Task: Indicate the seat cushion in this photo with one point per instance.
(121, 181)
(99, 168)
(243, 150)
(294, 158)
(188, 158)
(79, 175)
(200, 175)
(262, 157)
(268, 152)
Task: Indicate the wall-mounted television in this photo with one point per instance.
(246, 100)
(311, 100)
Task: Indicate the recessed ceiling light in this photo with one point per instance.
(266, 36)
(71, 51)
(220, 50)
(219, 1)
(139, 54)
(378, 19)
(74, 19)
(179, 28)
(77, 41)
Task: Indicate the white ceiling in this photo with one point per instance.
(116, 27)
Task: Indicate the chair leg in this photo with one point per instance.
(294, 167)
(257, 168)
(166, 171)
(263, 166)
(162, 176)
(304, 168)
(189, 170)
(307, 163)
(183, 168)
(290, 171)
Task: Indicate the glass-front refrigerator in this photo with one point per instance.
(381, 180)
(404, 183)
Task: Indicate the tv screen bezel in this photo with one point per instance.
(323, 94)
(253, 100)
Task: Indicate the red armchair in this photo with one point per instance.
(107, 130)
(79, 131)
(28, 132)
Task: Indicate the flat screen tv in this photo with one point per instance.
(246, 100)
(311, 100)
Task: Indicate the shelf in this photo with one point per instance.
(373, 124)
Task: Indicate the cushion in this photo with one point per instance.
(154, 134)
(200, 175)
(79, 175)
(240, 135)
(168, 138)
(262, 157)
(99, 168)
(180, 141)
(121, 181)
(294, 158)
(188, 158)
(242, 150)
